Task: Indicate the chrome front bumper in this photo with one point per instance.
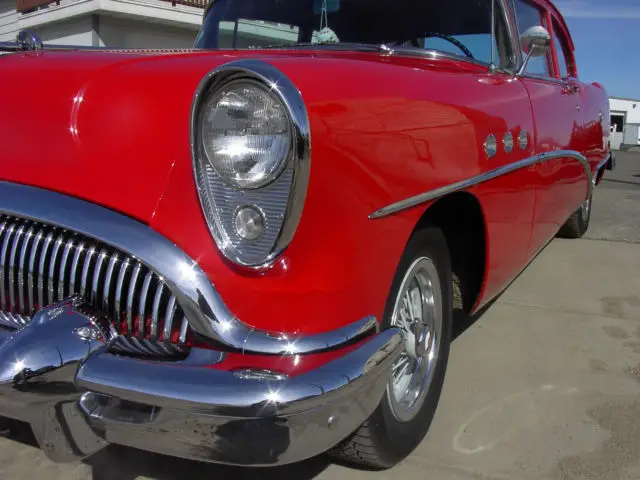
(57, 375)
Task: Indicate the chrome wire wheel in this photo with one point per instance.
(418, 313)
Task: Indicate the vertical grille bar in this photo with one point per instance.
(85, 271)
(74, 267)
(63, 269)
(12, 267)
(3, 234)
(52, 268)
(43, 258)
(32, 265)
(168, 318)
(96, 276)
(142, 317)
(130, 296)
(22, 269)
(3, 264)
(154, 312)
(119, 292)
(184, 329)
(107, 283)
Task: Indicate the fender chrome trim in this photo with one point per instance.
(484, 177)
(204, 308)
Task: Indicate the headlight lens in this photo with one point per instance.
(246, 134)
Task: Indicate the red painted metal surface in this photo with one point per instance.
(113, 128)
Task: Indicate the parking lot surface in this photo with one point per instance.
(544, 385)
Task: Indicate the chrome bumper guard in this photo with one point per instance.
(56, 374)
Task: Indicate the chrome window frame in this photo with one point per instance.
(535, 76)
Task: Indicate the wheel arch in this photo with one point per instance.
(461, 218)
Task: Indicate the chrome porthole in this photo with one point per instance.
(523, 140)
(507, 141)
(491, 146)
(418, 313)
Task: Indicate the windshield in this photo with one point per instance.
(462, 27)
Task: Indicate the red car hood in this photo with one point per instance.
(105, 127)
(109, 126)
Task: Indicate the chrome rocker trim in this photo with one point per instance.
(56, 374)
(484, 177)
(200, 301)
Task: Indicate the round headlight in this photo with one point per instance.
(246, 135)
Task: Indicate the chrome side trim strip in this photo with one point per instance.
(202, 305)
(484, 177)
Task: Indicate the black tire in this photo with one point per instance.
(382, 441)
(578, 223)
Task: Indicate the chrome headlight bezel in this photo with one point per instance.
(282, 198)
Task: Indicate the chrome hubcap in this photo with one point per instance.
(586, 209)
(418, 313)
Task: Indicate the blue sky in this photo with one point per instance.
(606, 34)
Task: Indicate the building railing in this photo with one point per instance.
(24, 6)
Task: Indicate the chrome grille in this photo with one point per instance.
(41, 264)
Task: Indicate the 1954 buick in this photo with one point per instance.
(251, 252)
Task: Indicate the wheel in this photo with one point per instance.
(578, 223)
(420, 303)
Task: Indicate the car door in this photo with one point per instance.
(556, 107)
(594, 122)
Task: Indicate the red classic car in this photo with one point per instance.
(251, 252)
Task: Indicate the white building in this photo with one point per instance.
(112, 23)
(130, 24)
(625, 122)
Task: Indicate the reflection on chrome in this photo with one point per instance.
(201, 303)
(57, 374)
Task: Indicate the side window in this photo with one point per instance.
(476, 36)
(478, 42)
(562, 51)
(529, 15)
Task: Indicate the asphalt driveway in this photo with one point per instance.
(544, 385)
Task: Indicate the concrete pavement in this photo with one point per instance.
(544, 386)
